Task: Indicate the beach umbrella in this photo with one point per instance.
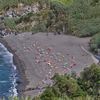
(49, 49)
(42, 51)
(34, 44)
(63, 56)
(58, 53)
(65, 64)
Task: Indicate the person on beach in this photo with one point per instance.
(73, 62)
(65, 65)
(49, 63)
(49, 49)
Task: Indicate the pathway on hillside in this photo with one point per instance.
(96, 61)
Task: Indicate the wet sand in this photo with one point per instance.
(22, 81)
(39, 57)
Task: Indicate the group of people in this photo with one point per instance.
(5, 32)
(48, 57)
(52, 59)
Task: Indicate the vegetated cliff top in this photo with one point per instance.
(5, 4)
(35, 15)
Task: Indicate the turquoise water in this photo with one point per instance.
(8, 74)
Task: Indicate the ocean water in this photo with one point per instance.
(8, 73)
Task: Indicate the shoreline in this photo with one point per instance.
(31, 62)
(20, 66)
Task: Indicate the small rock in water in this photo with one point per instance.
(18, 82)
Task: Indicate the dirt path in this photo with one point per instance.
(96, 61)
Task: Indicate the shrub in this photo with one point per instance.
(84, 18)
(10, 22)
(95, 43)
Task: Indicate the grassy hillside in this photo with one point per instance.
(4, 4)
(85, 17)
(82, 17)
(52, 16)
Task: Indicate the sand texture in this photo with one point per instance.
(43, 56)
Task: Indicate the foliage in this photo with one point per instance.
(85, 87)
(90, 80)
(25, 18)
(65, 87)
(84, 17)
(63, 2)
(79, 17)
(10, 23)
(95, 43)
(52, 15)
(40, 27)
(5, 4)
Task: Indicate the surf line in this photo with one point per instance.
(14, 78)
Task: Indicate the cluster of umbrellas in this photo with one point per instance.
(53, 60)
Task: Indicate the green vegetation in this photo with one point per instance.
(84, 20)
(73, 87)
(5, 4)
(79, 17)
(52, 16)
(66, 87)
(10, 22)
(85, 17)
(95, 43)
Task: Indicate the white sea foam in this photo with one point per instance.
(13, 88)
(9, 57)
(3, 81)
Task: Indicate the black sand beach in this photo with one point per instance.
(34, 67)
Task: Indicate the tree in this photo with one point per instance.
(84, 18)
(95, 43)
(67, 85)
(90, 80)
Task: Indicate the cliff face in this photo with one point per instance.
(38, 17)
(21, 9)
(14, 18)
